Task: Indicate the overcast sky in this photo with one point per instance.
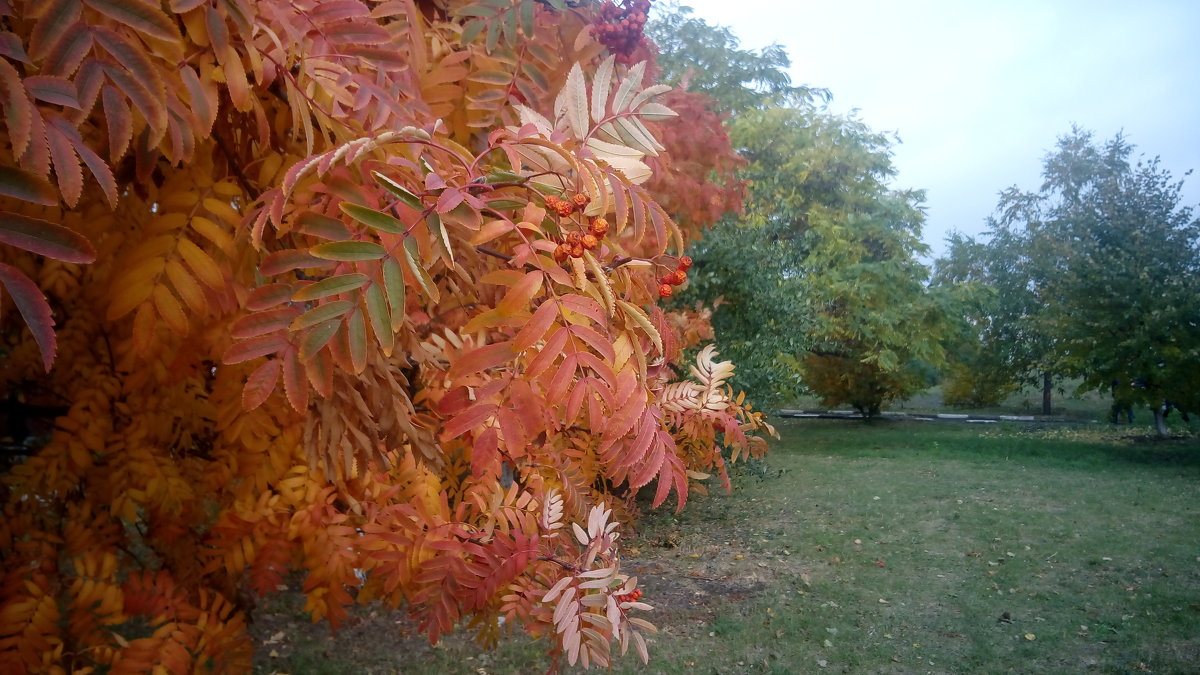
(979, 91)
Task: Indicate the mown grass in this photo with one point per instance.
(889, 547)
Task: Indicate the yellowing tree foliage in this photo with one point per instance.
(289, 297)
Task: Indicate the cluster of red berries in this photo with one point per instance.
(620, 28)
(631, 596)
(674, 278)
(565, 207)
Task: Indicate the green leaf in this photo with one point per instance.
(323, 226)
(495, 77)
(412, 256)
(348, 251)
(393, 283)
(441, 236)
(356, 336)
(381, 319)
(399, 191)
(373, 219)
(317, 338)
(527, 25)
(472, 29)
(322, 313)
(341, 283)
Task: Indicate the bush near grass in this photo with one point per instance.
(899, 547)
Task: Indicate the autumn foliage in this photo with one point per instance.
(287, 301)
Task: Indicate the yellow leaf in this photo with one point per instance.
(202, 264)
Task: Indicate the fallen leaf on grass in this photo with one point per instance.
(1030, 636)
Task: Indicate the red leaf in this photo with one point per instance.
(260, 384)
(33, 308)
(45, 238)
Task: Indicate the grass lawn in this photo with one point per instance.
(888, 547)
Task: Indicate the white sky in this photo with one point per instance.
(979, 91)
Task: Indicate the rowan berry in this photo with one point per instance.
(680, 276)
(664, 291)
(577, 251)
(580, 200)
(562, 252)
(685, 263)
(599, 227)
(574, 237)
(564, 209)
(589, 242)
(551, 202)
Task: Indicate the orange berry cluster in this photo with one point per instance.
(674, 278)
(565, 207)
(620, 28)
(631, 596)
(575, 243)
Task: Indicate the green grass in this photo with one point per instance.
(888, 547)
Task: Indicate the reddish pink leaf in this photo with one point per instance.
(66, 54)
(480, 359)
(263, 323)
(54, 90)
(265, 297)
(18, 109)
(33, 308)
(467, 420)
(66, 165)
(485, 454)
(254, 348)
(45, 238)
(141, 15)
(260, 384)
(537, 326)
(54, 23)
(294, 383)
(97, 166)
(26, 186)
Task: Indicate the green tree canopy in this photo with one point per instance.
(1096, 275)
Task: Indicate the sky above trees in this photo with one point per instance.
(978, 93)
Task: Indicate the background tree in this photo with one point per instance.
(1094, 276)
(362, 291)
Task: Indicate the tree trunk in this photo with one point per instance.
(1160, 421)
(1046, 389)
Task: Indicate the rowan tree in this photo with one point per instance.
(364, 290)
